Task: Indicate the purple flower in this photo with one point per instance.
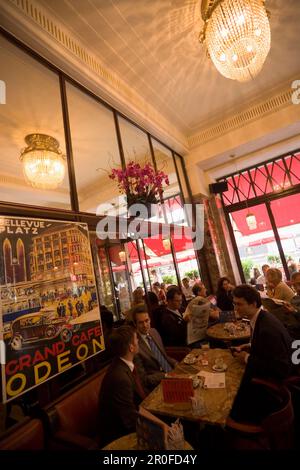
(141, 183)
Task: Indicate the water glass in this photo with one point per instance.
(198, 406)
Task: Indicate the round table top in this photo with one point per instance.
(229, 331)
(129, 442)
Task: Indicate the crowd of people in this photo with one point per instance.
(158, 321)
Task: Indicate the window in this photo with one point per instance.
(33, 105)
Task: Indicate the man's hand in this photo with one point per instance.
(237, 349)
(241, 356)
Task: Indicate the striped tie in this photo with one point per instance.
(158, 355)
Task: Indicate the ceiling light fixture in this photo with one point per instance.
(251, 221)
(166, 244)
(43, 162)
(237, 35)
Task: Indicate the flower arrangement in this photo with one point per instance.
(141, 184)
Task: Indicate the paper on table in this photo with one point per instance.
(213, 380)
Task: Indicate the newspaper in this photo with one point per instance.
(197, 325)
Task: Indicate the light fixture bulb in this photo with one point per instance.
(43, 162)
(237, 29)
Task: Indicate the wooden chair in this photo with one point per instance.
(274, 432)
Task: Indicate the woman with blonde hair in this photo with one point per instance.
(276, 288)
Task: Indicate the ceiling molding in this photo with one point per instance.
(113, 89)
(269, 105)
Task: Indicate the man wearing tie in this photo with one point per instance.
(152, 361)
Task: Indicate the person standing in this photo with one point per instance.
(267, 356)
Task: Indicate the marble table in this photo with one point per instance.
(129, 442)
(221, 333)
(218, 402)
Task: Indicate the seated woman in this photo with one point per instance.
(224, 295)
(276, 288)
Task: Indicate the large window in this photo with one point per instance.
(33, 106)
(264, 214)
(95, 152)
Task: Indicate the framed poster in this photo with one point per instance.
(49, 312)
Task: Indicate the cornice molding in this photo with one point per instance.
(113, 89)
(237, 120)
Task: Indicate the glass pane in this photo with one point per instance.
(186, 257)
(134, 266)
(135, 143)
(287, 219)
(182, 177)
(172, 194)
(101, 269)
(33, 106)
(95, 152)
(165, 163)
(159, 261)
(255, 239)
(117, 256)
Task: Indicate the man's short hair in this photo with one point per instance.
(265, 266)
(250, 294)
(172, 292)
(120, 340)
(196, 289)
(294, 276)
(140, 308)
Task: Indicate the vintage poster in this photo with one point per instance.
(49, 312)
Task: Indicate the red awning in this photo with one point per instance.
(285, 215)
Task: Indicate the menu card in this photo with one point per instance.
(213, 379)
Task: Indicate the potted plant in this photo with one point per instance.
(141, 184)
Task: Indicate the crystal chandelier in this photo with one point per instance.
(237, 35)
(43, 162)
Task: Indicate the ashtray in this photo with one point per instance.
(220, 369)
(190, 359)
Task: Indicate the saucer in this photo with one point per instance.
(190, 360)
(219, 369)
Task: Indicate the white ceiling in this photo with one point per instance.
(153, 46)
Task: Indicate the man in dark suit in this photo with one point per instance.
(267, 356)
(121, 392)
(152, 361)
(172, 326)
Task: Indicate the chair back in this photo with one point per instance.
(27, 435)
(279, 426)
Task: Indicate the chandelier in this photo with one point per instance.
(237, 35)
(43, 162)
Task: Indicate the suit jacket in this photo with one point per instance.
(172, 328)
(225, 301)
(118, 403)
(270, 358)
(148, 367)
